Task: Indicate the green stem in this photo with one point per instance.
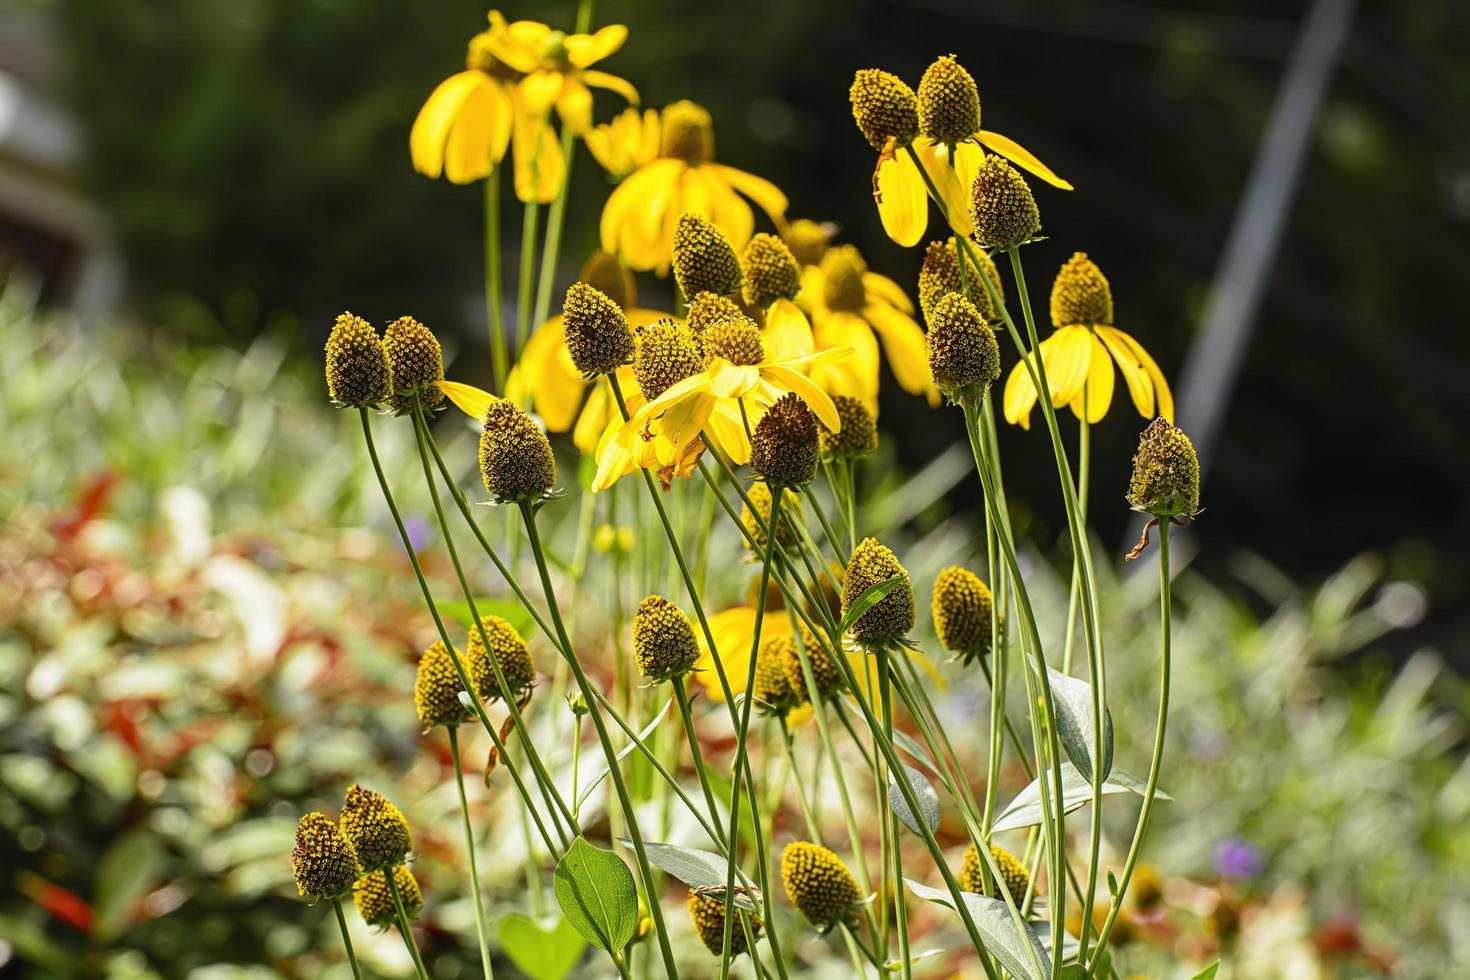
(481, 931)
(555, 218)
(527, 274)
(346, 939)
(389, 874)
(495, 312)
(686, 714)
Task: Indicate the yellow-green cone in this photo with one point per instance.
(1080, 294)
(506, 649)
(598, 338)
(949, 103)
(322, 859)
(663, 640)
(1001, 205)
(666, 354)
(1012, 871)
(755, 523)
(783, 449)
(415, 364)
(703, 258)
(964, 357)
(357, 365)
(688, 133)
(1165, 473)
(707, 912)
(771, 272)
(515, 456)
(771, 684)
(606, 273)
(884, 108)
(858, 435)
(890, 617)
(962, 607)
(376, 829)
(824, 672)
(436, 689)
(375, 902)
(736, 339)
(940, 275)
(818, 884)
(707, 309)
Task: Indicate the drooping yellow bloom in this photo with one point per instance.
(639, 218)
(1080, 354)
(463, 129)
(557, 66)
(627, 143)
(849, 304)
(948, 114)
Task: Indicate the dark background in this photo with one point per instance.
(254, 157)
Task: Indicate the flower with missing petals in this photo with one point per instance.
(940, 275)
(516, 462)
(818, 884)
(415, 364)
(703, 258)
(962, 607)
(663, 640)
(1013, 873)
(357, 365)
(597, 332)
(507, 650)
(376, 829)
(323, 861)
(771, 272)
(436, 688)
(1165, 479)
(784, 449)
(375, 902)
(1001, 205)
(891, 617)
(884, 108)
(964, 357)
(858, 435)
(707, 912)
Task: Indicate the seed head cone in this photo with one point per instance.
(357, 365)
(771, 272)
(597, 332)
(1012, 871)
(791, 511)
(707, 912)
(784, 449)
(940, 276)
(843, 269)
(688, 133)
(890, 617)
(1080, 294)
(736, 339)
(1001, 205)
(415, 364)
(707, 309)
(964, 356)
(666, 353)
(1165, 473)
(506, 649)
(884, 107)
(771, 683)
(858, 435)
(376, 829)
(663, 640)
(824, 672)
(436, 689)
(818, 883)
(515, 456)
(375, 903)
(962, 608)
(808, 240)
(949, 103)
(703, 258)
(606, 273)
(322, 859)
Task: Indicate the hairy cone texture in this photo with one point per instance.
(940, 275)
(663, 640)
(1012, 871)
(375, 903)
(508, 650)
(707, 912)
(1165, 473)
(771, 272)
(736, 339)
(703, 258)
(884, 107)
(893, 615)
(436, 689)
(708, 309)
(357, 365)
(377, 830)
(688, 133)
(824, 672)
(415, 364)
(597, 332)
(949, 103)
(858, 435)
(1080, 294)
(783, 448)
(962, 609)
(1001, 205)
(666, 354)
(818, 883)
(755, 523)
(322, 859)
(964, 357)
(515, 456)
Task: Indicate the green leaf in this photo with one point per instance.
(1073, 700)
(545, 951)
(928, 800)
(697, 869)
(623, 754)
(507, 609)
(1025, 810)
(128, 870)
(870, 597)
(1208, 973)
(911, 745)
(1003, 937)
(596, 893)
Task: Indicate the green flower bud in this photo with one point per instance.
(703, 258)
(516, 462)
(884, 108)
(357, 365)
(322, 860)
(597, 332)
(1001, 205)
(818, 884)
(415, 364)
(376, 829)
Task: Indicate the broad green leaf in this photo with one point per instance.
(697, 869)
(928, 800)
(1073, 700)
(544, 951)
(1208, 973)
(128, 870)
(623, 754)
(596, 893)
(1003, 937)
(507, 609)
(1025, 810)
(870, 597)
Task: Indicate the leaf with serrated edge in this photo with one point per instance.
(998, 928)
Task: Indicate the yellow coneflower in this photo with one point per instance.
(773, 280)
(436, 689)
(323, 861)
(939, 121)
(376, 829)
(375, 902)
(962, 607)
(516, 462)
(1080, 354)
(964, 358)
(1165, 480)
(557, 66)
(707, 912)
(818, 883)
(357, 365)
(858, 435)
(663, 640)
(784, 449)
(463, 129)
(626, 143)
(639, 217)
(849, 304)
(1013, 873)
(892, 616)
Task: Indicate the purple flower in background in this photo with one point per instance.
(418, 531)
(1236, 857)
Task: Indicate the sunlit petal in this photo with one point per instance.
(588, 49)
(904, 345)
(601, 79)
(766, 195)
(1140, 386)
(1096, 396)
(788, 333)
(816, 399)
(903, 203)
(1021, 157)
(474, 402)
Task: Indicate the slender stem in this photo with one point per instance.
(555, 218)
(389, 874)
(494, 306)
(801, 794)
(481, 931)
(527, 271)
(346, 939)
(686, 714)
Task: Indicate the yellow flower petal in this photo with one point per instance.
(903, 203)
(430, 132)
(766, 195)
(538, 91)
(632, 219)
(904, 345)
(887, 290)
(734, 635)
(728, 429)
(1140, 386)
(500, 43)
(727, 209)
(601, 79)
(946, 179)
(857, 377)
(1066, 355)
(474, 402)
(574, 105)
(539, 167)
(588, 49)
(1093, 401)
(1165, 397)
(480, 134)
(1020, 394)
(1021, 157)
(788, 333)
(733, 380)
(816, 399)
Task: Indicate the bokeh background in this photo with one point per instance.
(190, 190)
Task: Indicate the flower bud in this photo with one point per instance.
(597, 332)
(688, 133)
(322, 859)
(818, 884)
(376, 829)
(1081, 294)
(1001, 205)
(1165, 473)
(756, 523)
(949, 103)
(436, 689)
(858, 435)
(964, 357)
(962, 608)
(891, 616)
(507, 650)
(1013, 873)
(824, 672)
(515, 456)
(375, 902)
(415, 364)
(783, 448)
(707, 912)
(666, 353)
(884, 108)
(940, 275)
(771, 272)
(663, 640)
(703, 258)
(357, 365)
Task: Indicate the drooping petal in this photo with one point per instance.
(904, 345)
(1020, 394)
(1165, 397)
(1093, 401)
(588, 49)
(788, 333)
(430, 132)
(728, 428)
(474, 402)
(633, 218)
(890, 292)
(1140, 386)
(480, 134)
(574, 105)
(946, 180)
(506, 45)
(857, 377)
(538, 91)
(1021, 157)
(728, 210)
(539, 167)
(816, 399)
(766, 195)
(1066, 355)
(616, 454)
(601, 79)
(903, 203)
(679, 426)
